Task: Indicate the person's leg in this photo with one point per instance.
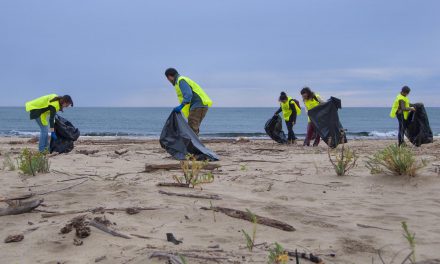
(309, 134)
(42, 144)
(195, 118)
(317, 137)
(290, 134)
(401, 133)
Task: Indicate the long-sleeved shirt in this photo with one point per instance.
(36, 113)
(189, 97)
(292, 107)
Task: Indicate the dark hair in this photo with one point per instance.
(306, 90)
(406, 89)
(63, 99)
(171, 72)
(283, 96)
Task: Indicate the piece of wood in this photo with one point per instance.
(176, 166)
(73, 179)
(172, 184)
(121, 151)
(15, 198)
(62, 189)
(24, 207)
(252, 160)
(107, 230)
(375, 227)
(189, 195)
(170, 257)
(267, 149)
(98, 209)
(245, 216)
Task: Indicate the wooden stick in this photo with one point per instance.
(98, 209)
(189, 195)
(251, 160)
(368, 226)
(62, 189)
(77, 178)
(24, 207)
(22, 197)
(107, 230)
(171, 258)
(176, 166)
(245, 216)
(172, 184)
(121, 151)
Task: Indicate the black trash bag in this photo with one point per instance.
(66, 133)
(325, 118)
(179, 140)
(274, 129)
(418, 130)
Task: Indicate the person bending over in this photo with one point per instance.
(291, 110)
(311, 100)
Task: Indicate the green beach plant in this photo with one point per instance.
(32, 162)
(192, 176)
(394, 159)
(250, 240)
(342, 158)
(411, 240)
(277, 255)
(8, 163)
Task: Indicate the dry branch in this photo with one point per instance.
(245, 216)
(173, 184)
(171, 258)
(369, 226)
(176, 166)
(21, 197)
(121, 151)
(107, 230)
(24, 207)
(189, 195)
(98, 209)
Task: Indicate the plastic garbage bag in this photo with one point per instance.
(66, 133)
(326, 120)
(418, 130)
(179, 140)
(274, 129)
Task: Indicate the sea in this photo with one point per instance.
(360, 122)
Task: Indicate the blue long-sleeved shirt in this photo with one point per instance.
(189, 97)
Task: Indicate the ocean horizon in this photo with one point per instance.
(220, 122)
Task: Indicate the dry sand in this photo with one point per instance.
(292, 184)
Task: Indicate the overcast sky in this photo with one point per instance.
(243, 53)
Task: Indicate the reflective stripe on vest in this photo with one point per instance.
(196, 89)
(285, 107)
(43, 102)
(396, 104)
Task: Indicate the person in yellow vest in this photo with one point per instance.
(401, 109)
(194, 102)
(291, 109)
(311, 100)
(42, 108)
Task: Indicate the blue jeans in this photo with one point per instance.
(44, 131)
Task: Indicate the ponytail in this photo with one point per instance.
(61, 99)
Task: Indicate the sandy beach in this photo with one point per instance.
(341, 219)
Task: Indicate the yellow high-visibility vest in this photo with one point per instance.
(311, 103)
(196, 89)
(43, 102)
(396, 104)
(285, 107)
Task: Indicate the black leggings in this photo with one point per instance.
(290, 134)
(402, 127)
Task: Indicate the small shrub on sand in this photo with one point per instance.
(250, 241)
(394, 159)
(8, 163)
(32, 162)
(342, 158)
(192, 176)
(278, 255)
(411, 240)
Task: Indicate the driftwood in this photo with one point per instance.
(254, 160)
(176, 166)
(21, 197)
(189, 195)
(103, 228)
(121, 151)
(172, 184)
(369, 226)
(96, 210)
(73, 179)
(245, 216)
(24, 207)
(170, 257)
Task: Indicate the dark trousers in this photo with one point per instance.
(290, 134)
(311, 132)
(195, 118)
(402, 126)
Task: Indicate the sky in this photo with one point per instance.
(243, 53)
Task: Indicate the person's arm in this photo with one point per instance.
(293, 108)
(403, 108)
(53, 112)
(186, 91)
(278, 111)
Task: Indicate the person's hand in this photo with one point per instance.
(178, 109)
(413, 109)
(53, 136)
